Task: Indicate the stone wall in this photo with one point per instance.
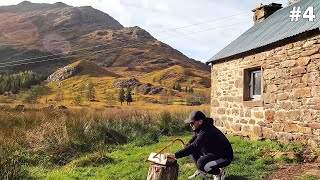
(289, 109)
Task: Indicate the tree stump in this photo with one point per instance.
(170, 171)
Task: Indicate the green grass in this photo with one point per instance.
(308, 177)
(112, 144)
(129, 162)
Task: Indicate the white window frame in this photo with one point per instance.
(254, 96)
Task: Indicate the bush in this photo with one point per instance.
(28, 97)
(146, 139)
(165, 122)
(10, 164)
(45, 137)
(197, 98)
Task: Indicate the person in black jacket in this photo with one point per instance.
(209, 147)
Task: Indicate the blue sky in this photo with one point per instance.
(198, 29)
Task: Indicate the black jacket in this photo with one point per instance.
(208, 139)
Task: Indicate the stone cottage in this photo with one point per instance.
(266, 83)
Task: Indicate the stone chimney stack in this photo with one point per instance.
(292, 1)
(261, 12)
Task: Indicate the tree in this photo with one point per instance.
(16, 82)
(191, 90)
(82, 89)
(77, 100)
(166, 96)
(59, 95)
(128, 96)
(121, 96)
(174, 86)
(110, 98)
(78, 94)
(179, 87)
(27, 97)
(45, 90)
(37, 91)
(90, 91)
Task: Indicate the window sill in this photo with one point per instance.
(253, 103)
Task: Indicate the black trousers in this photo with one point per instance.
(209, 163)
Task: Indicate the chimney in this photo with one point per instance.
(261, 12)
(292, 1)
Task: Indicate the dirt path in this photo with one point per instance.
(292, 171)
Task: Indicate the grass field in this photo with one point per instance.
(110, 143)
(128, 162)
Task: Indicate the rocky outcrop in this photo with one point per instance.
(141, 88)
(128, 83)
(63, 73)
(149, 89)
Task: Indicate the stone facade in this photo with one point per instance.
(289, 109)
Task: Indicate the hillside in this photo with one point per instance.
(81, 33)
(57, 39)
(177, 74)
(72, 81)
(35, 30)
(80, 68)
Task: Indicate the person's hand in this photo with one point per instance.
(186, 144)
(168, 155)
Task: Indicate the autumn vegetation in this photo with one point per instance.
(55, 137)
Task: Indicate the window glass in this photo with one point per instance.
(252, 84)
(257, 83)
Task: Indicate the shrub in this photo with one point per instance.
(46, 137)
(197, 98)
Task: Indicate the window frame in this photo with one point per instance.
(248, 84)
(252, 84)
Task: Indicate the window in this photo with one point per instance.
(255, 84)
(252, 84)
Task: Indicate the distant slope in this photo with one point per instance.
(135, 49)
(92, 69)
(72, 81)
(80, 68)
(75, 46)
(57, 17)
(63, 30)
(178, 74)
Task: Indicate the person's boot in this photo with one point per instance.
(220, 176)
(198, 173)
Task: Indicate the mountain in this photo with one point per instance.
(57, 39)
(81, 33)
(80, 68)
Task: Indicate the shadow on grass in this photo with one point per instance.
(232, 177)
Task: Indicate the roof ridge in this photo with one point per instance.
(273, 29)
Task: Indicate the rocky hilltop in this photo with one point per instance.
(69, 34)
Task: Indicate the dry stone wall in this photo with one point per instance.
(289, 109)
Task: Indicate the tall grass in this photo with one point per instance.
(44, 137)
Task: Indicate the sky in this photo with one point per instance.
(197, 28)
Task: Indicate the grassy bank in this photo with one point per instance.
(57, 137)
(128, 162)
(109, 143)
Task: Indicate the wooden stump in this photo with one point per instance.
(169, 171)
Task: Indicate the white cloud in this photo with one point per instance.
(159, 15)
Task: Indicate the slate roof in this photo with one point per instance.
(276, 27)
